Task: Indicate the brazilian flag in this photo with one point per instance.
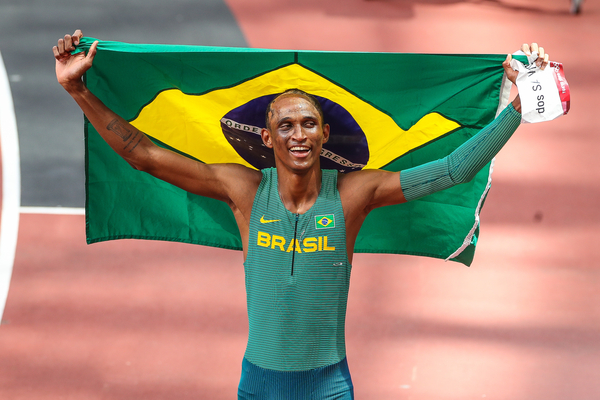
(388, 111)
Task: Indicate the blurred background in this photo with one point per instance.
(152, 320)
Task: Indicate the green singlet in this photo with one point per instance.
(297, 279)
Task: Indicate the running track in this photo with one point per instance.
(147, 320)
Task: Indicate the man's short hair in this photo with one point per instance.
(312, 100)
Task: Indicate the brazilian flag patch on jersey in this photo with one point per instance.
(324, 221)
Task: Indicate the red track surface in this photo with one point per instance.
(147, 320)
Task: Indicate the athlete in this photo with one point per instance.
(298, 224)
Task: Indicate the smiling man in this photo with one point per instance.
(298, 224)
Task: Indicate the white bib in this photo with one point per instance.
(545, 94)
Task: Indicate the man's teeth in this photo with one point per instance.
(296, 148)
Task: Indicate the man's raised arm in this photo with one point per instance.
(221, 181)
(365, 190)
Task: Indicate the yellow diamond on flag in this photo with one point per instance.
(193, 124)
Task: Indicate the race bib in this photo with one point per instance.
(545, 94)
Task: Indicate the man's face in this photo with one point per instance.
(296, 133)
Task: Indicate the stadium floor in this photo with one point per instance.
(155, 320)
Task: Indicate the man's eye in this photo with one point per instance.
(310, 124)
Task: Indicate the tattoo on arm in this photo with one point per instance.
(120, 129)
(137, 135)
(127, 133)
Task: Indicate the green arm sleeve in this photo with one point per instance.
(462, 164)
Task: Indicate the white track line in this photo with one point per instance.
(53, 210)
(11, 185)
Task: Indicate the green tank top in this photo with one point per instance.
(297, 279)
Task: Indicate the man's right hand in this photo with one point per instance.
(70, 68)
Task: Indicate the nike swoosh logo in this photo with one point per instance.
(266, 221)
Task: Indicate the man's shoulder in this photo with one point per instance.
(268, 172)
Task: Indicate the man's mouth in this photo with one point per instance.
(300, 151)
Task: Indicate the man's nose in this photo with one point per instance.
(298, 133)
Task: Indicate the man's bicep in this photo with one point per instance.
(388, 190)
(369, 189)
(210, 180)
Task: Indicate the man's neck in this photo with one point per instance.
(298, 192)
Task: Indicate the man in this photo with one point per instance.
(298, 224)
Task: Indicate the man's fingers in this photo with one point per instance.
(511, 74)
(506, 63)
(543, 58)
(546, 61)
(77, 35)
(534, 48)
(69, 43)
(61, 46)
(92, 51)
(540, 59)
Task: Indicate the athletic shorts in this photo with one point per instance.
(325, 383)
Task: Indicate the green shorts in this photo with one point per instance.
(324, 383)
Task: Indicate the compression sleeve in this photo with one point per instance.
(462, 164)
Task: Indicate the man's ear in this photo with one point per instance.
(266, 137)
(325, 133)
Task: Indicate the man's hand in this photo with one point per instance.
(541, 61)
(70, 68)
